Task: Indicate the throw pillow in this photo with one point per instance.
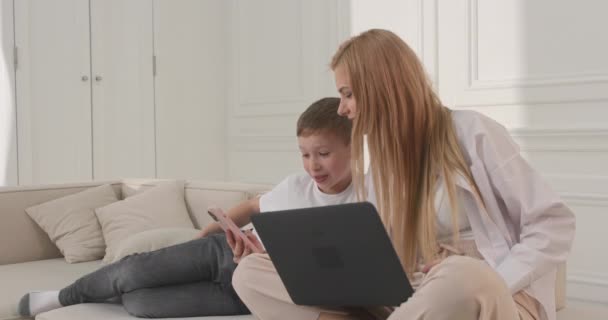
(162, 206)
(72, 225)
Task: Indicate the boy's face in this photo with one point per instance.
(326, 158)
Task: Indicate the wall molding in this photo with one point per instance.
(271, 109)
(585, 199)
(586, 184)
(263, 105)
(562, 140)
(530, 140)
(474, 83)
(538, 81)
(263, 143)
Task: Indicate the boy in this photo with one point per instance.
(194, 278)
(324, 143)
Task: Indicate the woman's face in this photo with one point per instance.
(348, 104)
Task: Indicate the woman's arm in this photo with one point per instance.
(546, 225)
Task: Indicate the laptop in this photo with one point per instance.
(334, 256)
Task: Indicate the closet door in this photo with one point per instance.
(123, 89)
(53, 90)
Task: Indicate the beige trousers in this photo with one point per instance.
(460, 287)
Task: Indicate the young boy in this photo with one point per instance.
(194, 278)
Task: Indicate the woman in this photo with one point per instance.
(476, 229)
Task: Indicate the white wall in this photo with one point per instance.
(192, 48)
(8, 124)
(539, 68)
(280, 55)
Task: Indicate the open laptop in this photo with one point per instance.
(334, 256)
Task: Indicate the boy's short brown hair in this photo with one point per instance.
(322, 116)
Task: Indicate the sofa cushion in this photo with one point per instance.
(71, 224)
(201, 194)
(153, 240)
(99, 311)
(163, 206)
(200, 199)
(28, 242)
(20, 278)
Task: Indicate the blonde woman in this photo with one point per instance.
(468, 217)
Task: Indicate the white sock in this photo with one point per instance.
(37, 302)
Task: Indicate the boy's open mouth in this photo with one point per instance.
(320, 179)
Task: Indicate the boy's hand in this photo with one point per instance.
(213, 227)
(239, 249)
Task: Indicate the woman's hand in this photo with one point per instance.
(427, 267)
(239, 249)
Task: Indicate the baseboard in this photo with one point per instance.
(588, 287)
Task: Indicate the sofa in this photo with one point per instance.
(30, 261)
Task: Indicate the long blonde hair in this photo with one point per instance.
(411, 138)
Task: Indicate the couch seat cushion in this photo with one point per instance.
(100, 311)
(20, 278)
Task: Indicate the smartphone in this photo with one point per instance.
(227, 224)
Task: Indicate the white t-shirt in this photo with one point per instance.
(444, 216)
(301, 191)
(442, 209)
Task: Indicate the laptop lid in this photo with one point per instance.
(335, 255)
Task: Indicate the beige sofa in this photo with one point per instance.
(29, 261)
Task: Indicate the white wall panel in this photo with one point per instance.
(587, 276)
(531, 43)
(123, 89)
(279, 66)
(192, 44)
(401, 17)
(272, 165)
(415, 21)
(270, 50)
(8, 120)
(53, 91)
(539, 68)
(496, 55)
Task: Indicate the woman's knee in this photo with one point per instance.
(472, 277)
(458, 286)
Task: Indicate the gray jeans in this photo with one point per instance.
(186, 280)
